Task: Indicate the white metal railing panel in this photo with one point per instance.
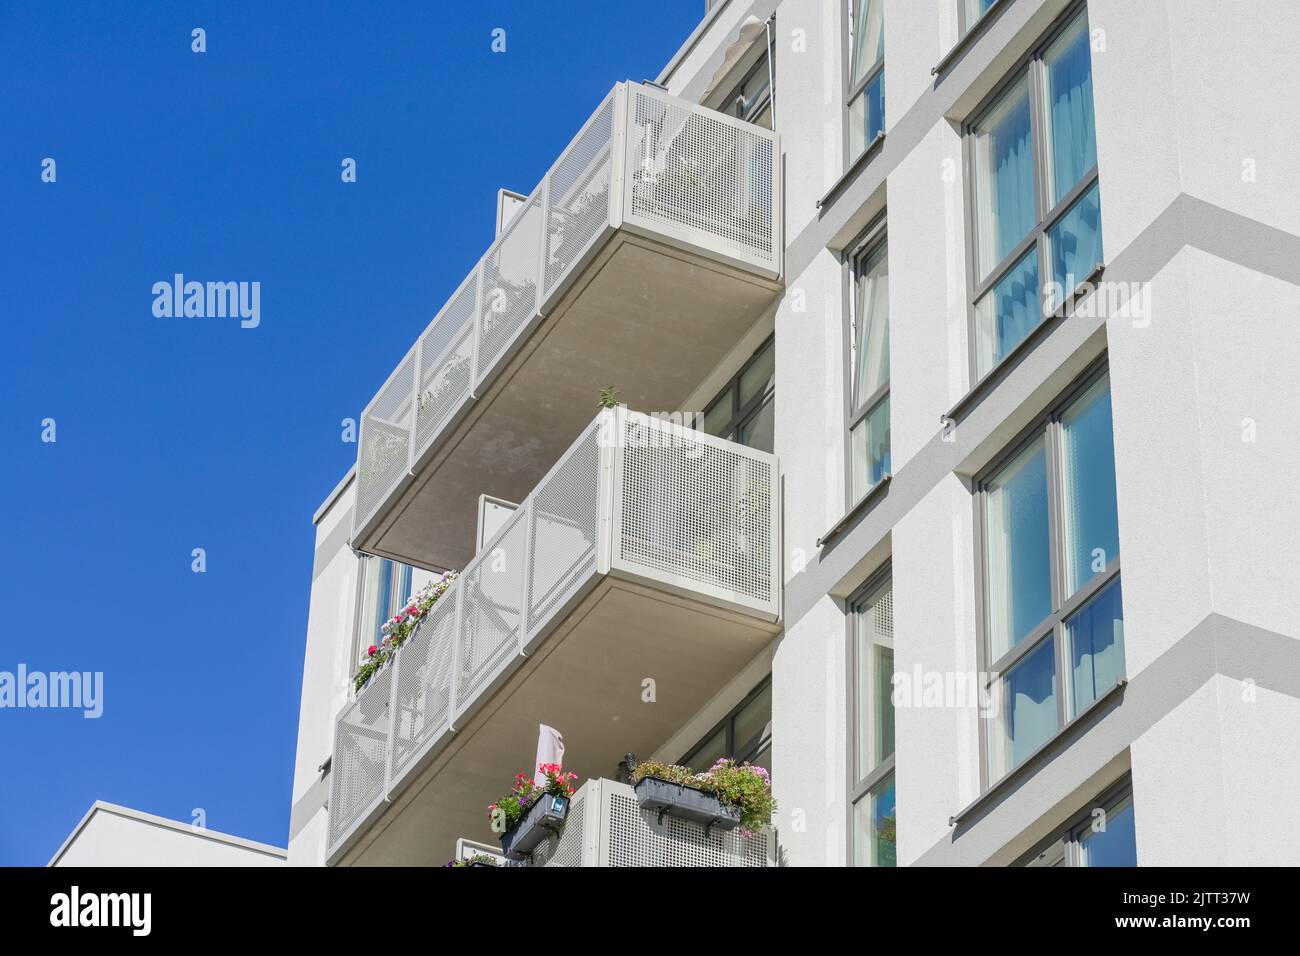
(663, 165)
(634, 837)
(422, 703)
(511, 298)
(703, 177)
(358, 765)
(578, 195)
(383, 451)
(697, 512)
(491, 618)
(565, 518)
(446, 360)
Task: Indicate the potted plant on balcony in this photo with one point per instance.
(526, 815)
(744, 787)
(672, 790)
(401, 626)
(726, 796)
(478, 859)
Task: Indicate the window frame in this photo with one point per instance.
(853, 90)
(862, 782)
(362, 637)
(964, 27)
(743, 413)
(1111, 800)
(868, 242)
(1030, 67)
(728, 724)
(762, 64)
(1047, 426)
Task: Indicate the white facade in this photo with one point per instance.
(1195, 165)
(109, 835)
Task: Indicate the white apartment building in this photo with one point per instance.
(972, 517)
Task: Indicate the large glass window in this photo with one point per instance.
(745, 734)
(751, 98)
(1102, 834)
(871, 659)
(869, 335)
(866, 74)
(1053, 616)
(384, 586)
(745, 410)
(1036, 205)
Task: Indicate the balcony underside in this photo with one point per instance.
(645, 317)
(586, 679)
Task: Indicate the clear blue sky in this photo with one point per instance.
(183, 433)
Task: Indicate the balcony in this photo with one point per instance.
(635, 580)
(648, 249)
(606, 827)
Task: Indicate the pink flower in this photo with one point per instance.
(371, 651)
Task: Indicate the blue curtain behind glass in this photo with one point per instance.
(1013, 177)
(1074, 141)
(1016, 305)
(1097, 647)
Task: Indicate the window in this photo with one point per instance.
(866, 74)
(871, 663)
(1036, 213)
(971, 11)
(1102, 835)
(1053, 622)
(744, 411)
(751, 100)
(384, 586)
(745, 734)
(869, 353)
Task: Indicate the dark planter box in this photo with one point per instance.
(685, 803)
(543, 818)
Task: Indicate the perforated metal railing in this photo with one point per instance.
(646, 160)
(634, 496)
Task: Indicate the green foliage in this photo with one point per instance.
(471, 860)
(745, 787)
(368, 669)
(514, 806)
(609, 397)
(740, 785)
(666, 771)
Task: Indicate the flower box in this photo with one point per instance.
(544, 817)
(685, 803)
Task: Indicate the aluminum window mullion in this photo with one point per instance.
(876, 69)
(999, 272)
(1055, 214)
(1038, 137)
(1023, 648)
(870, 403)
(1094, 585)
(871, 780)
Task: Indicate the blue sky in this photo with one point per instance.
(183, 433)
